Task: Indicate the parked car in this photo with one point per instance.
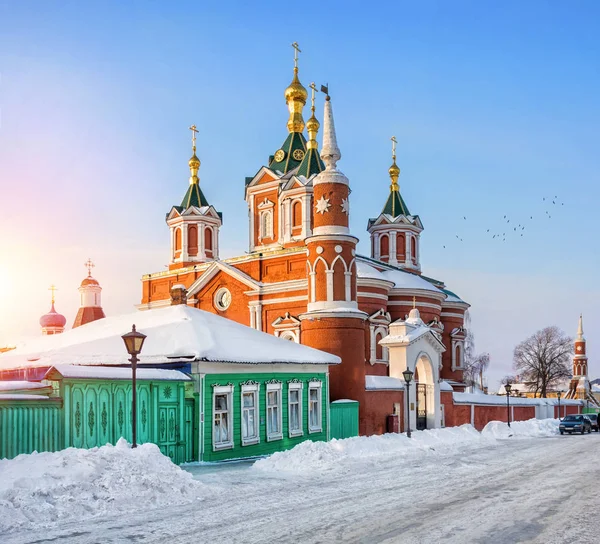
(594, 419)
(575, 423)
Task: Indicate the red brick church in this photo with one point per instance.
(302, 279)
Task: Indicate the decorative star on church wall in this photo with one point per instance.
(345, 206)
(323, 205)
(579, 348)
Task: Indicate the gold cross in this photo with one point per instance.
(194, 132)
(296, 51)
(314, 90)
(89, 264)
(53, 289)
(394, 142)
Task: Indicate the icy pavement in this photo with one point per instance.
(481, 491)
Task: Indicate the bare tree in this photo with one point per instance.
(474, 365)
(475, 368)
(543, 359)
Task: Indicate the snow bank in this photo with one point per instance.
(74, 484)
(322, 456)
(532, 428)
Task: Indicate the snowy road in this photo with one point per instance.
(532, 490)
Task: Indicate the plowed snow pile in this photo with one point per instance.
(532, 428)
(75, 484)
(336, 454)
(314, 457)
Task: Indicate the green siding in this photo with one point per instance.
(263, 447)
(30, 425)
(344, 419)
(98, 412)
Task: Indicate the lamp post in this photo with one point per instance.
(133, 342)
(558, 395)
(408, 374)
(508, 388)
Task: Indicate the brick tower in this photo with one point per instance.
(579, 386)
(333, 321)
(90, 292)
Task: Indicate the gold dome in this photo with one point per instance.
(394, 172)
(295, 90)
(194, 162)
(312, 125)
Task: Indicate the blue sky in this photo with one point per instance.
(494, 106)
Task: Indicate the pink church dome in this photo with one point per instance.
(89, 281)
(53, 319)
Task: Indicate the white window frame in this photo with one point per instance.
(223, 390)
(266, 225)
(295, 386)
(254, 389)
(270, 388)
(318, 386)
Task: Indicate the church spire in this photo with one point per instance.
(295, 97)
(330, 152)
(194, 195)
(311, 163)
(395, 205)
(580, 337)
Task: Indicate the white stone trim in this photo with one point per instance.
(318, 386)
(296, 386)
(223, 390)
(450, 314)
(365, 294)
(270, 388)
(255, 390)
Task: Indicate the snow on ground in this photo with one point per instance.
(43, 488)
(345, 490)
(309, 457)
(533, 428)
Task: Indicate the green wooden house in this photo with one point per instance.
(209, 389)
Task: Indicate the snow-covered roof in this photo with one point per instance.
(174, 333)
(365, 270)
(406, 280)
(20, 385)
(478, 398)
(22, 396)
(114, 373)
(445, 386)
(383, 383)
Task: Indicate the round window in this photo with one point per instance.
(222, 299)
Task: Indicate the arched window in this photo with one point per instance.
(401, 247)
(193, 240)
(458, 356)
(208, 240)
(413, 249)
(384, 246)
(177, 239)
(297, 214)
(266, 224)
(378, 347)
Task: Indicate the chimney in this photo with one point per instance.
(178, 294)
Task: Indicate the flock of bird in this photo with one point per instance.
(510, 228)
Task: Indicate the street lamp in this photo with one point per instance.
(558, 395)
(408, 374)
(133, 342)
(508, 388)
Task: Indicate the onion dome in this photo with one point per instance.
(53, 319)
(295, 90)
(89, 281)
(394, 172)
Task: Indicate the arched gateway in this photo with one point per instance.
(414, 345)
